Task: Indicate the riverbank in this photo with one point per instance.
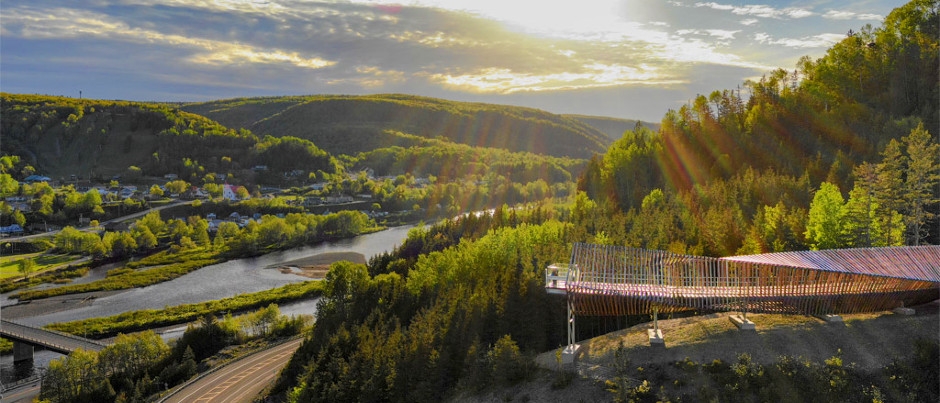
(314, 267)
(55, 304)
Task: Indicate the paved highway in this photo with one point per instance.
(22, 394)
(240, 381)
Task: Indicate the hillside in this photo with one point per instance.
(353, 124)
(62, 136)
(613, 127)
(59, 137)
(866, 342)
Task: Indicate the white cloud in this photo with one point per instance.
(596, 75)
(749, 21)
(760, 10)
(849, 15)
(815, 41)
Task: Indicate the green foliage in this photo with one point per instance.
(380, 336)
(140, 364)
(794, 131)
(824, 229)
(507, 365)
(26, 267)
(354, 124)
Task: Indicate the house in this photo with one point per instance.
(228, 192)
(171, 177)
(338, 199)
(312, 201)
(14, 229)
(37, 178)
(195, 193)
(20, 203)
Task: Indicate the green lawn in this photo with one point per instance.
(9, 265)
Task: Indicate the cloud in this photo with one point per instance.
(849, 15)
(462, 49)
(61, 23)
(815, 41)
(762, 11)
(371, 77)
(506, 81)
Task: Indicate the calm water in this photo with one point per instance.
(209, 283)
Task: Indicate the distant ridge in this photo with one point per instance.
(612, 127)
(352, 124)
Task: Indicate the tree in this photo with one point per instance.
(143, 237)
(861, 206)
(889, 190)
(156, 191)
(824, 228)
(131, 354)
(69, 379)
(8, 185)
(923, 175)
(26, 266)
(242, 193)
(153, 222)
(176, 187)
(19, 218)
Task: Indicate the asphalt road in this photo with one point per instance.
(22, 394)
(119, 219)
(239, 381)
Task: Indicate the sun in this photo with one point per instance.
(555, 18)
(548, 18)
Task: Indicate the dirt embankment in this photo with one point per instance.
(869, 340)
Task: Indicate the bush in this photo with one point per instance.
(508, 366)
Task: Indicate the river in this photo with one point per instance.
(213, 282)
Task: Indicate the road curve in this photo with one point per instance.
(239, 381)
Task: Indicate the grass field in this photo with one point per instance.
(10, 268)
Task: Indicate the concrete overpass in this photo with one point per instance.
(26, 337)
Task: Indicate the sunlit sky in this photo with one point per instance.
(627, 59)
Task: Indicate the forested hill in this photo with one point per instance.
(840, 152)
(613, 127)
(353, 124)
(61, 136)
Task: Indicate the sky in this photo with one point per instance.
(631, 59)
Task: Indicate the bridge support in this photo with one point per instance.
(655, 335)
(22, 351)
(830, 318)
(903, 311)
(742, 322)
(570, 354)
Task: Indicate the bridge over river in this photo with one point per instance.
(26, 337)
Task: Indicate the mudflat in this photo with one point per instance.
(317, 265)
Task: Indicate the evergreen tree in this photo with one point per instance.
(889, 191)
(920, 183)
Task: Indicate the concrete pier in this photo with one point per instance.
(742, 323)
(22, 351)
